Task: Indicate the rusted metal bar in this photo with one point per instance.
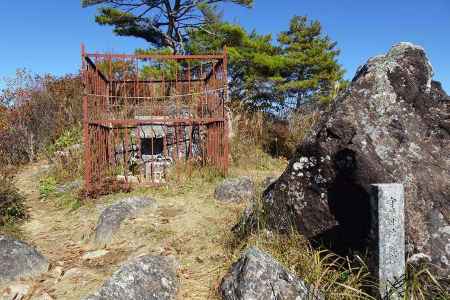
(92, 64)
(225, 99)
(158, 56)
(156, 81)
(214, 69)
(156, 121)
(111, 106)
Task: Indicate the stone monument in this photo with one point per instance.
(388, 238)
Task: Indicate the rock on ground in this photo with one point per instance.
(18, 259)
(257, 276)
(70, 186)
(146, 277)
(112, 216)
(391, 126)
(235, 190)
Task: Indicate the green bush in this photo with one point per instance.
(34, 111)
(67, 160)
(68, 138)
(12, 206)
(47, 186)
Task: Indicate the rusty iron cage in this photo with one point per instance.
(144, 113)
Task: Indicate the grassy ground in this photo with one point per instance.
(188, 224)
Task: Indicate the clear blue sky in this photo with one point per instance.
(45, 35)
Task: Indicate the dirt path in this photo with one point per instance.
(188, 224)
(57, 234)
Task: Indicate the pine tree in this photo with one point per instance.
(162, 23)
(302, 67)
(253, 60)
(310, 71)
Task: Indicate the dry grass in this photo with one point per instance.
(336, 277)
(191, 226)
(258, 133)
(188, 224)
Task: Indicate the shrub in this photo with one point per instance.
(67, 155)
(35, 110)
(47, 186)
(283, 136)
(69, 137)
(259, 136)
(12, 207)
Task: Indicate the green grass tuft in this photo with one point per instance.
(47, 187)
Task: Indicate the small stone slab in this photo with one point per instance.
(235, 190)
(112, 216)
(18, 259)
(388, 238)
(146, 277)
(258, 276)
(94, 254)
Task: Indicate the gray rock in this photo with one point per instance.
(257, 276)
(112, 216)
(235, 190)
(392, 125)
(146, 277)
(18, 259)
(70, 186)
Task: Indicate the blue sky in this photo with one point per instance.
(44, 36)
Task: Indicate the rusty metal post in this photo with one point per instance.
(87, 154)
(111, 104)
(87, 147)
(224, 114)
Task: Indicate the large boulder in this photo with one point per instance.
(112, 216)
(235, 190)
(391, 126)
(19, 260)
(144, 278)
(257, 276)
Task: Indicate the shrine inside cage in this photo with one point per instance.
(145, 113)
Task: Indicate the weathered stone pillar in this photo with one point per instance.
(388, 238)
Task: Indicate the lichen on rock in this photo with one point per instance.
(146, 277)
(112, 216)
(391, 126)
(257, 276)
(18, 259)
